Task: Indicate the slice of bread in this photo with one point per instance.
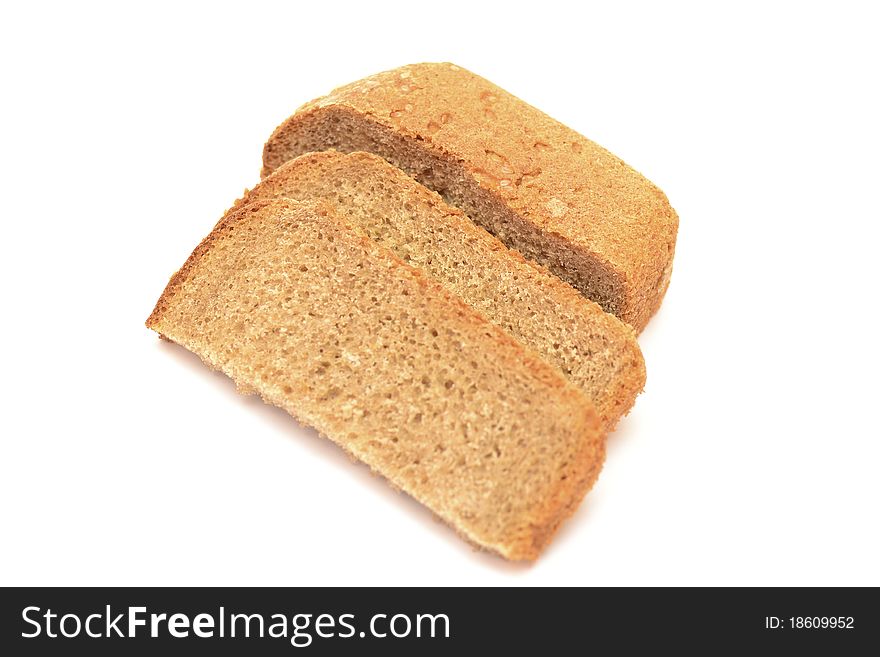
(537, 185)
(294, 302)
(595, 350)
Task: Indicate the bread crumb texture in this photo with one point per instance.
(540, 187)
(596, 351)
(298, 304)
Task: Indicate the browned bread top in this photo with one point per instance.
(539, 186)
(292, 301)
(595, 350)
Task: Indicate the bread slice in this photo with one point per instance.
(292, 301)
(595, 350)
(537, 185)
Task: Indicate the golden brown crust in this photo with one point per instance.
(561, 504)
(554, 180)
(526, 536)
(180, 275)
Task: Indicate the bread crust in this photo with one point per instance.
(521, 540)
(539, 186)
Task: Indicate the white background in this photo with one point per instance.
(752, 456)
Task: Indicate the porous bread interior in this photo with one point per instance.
(341, 129)
(290, 301)
(594, 350)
